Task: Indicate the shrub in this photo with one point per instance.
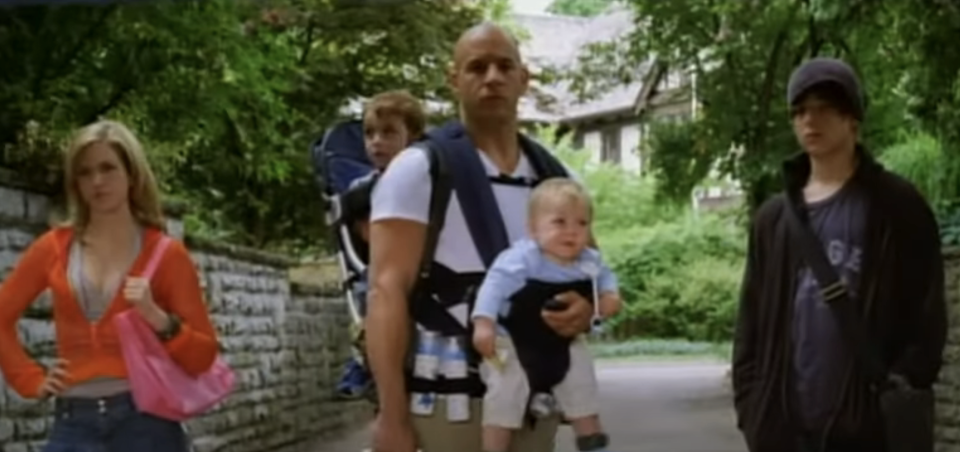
(920, 158)
(678, 279)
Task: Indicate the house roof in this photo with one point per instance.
(557, 42)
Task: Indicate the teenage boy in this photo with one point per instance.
(798, 376)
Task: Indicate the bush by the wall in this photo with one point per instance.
(679, 279)
(920, 158)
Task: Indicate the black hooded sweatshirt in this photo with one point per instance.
(901, 300)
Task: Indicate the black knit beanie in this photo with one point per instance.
(817, 72)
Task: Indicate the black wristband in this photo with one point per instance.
(172, 329)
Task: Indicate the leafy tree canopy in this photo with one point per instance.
(226, 95)
(741, 54)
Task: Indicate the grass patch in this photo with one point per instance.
(661, 349)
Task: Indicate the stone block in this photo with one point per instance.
(948, 387)
(13, 203)
(36, 208)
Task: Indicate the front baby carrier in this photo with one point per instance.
(443, 364)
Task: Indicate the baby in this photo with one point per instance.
(521, 354)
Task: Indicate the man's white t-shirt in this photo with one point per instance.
(403, 192)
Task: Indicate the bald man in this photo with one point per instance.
(488, 78)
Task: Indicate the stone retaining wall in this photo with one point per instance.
(286, 341)
(948, 388)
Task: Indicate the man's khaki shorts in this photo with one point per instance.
(436, 434)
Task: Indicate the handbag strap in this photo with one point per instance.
(834, 293)
(158, 251)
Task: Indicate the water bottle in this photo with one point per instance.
(458, 407)
(454, 360)
(426, 362)
(422, 404)
(454, 367)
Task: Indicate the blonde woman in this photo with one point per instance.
(92, 267)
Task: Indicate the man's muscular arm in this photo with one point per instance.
(398, 228)
(396, 247)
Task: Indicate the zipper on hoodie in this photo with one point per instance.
(93, 336)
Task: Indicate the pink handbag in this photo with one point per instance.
(159, 385)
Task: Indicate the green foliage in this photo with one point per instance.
(678, 159)
(680, 279)
(921, 159)
(742, 53)
(585, 8)
(500, 12)
(927, 31)
(225, 95)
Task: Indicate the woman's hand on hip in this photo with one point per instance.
(55, 381)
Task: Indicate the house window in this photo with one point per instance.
(610, 145)
(671, 80)
(578, 140)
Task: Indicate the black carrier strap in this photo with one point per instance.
(545, 164)
(439, 200)
(543, 354)
(423, 309)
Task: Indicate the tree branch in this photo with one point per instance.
(82, 42)
(813, 38)
(308, 43)
(801, 52)
(120, 93)
(769, 75)
(115, 99)
(71, 55)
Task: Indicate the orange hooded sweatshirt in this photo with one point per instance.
(92, 349)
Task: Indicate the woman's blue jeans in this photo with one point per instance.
(111, 424)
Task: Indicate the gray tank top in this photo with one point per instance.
(94, 302)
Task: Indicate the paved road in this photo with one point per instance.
(651, 407)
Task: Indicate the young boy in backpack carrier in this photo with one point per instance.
(392, 121)
(524, 356)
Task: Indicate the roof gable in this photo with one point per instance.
(556, 42)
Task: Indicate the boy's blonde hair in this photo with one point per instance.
(560, 189)
(144, 196)
(401, 104)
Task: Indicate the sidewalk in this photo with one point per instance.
(646, 407)
(357, 441)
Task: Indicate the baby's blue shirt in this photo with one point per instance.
(524, 261)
